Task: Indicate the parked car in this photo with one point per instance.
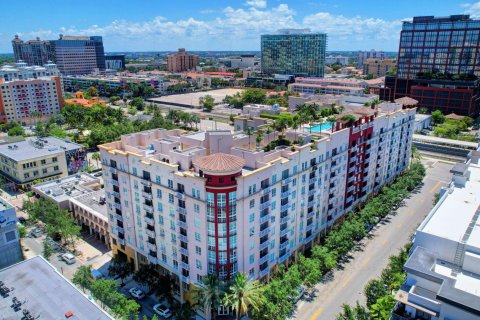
(36, 232)
(68, 258)
(136, 293)
(97, 274)
(22, 220)
(162, 310)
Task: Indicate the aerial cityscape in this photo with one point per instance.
(247, 159)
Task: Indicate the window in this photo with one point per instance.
(45, 170)
(252, 259)
(252, 231)
(170, 198)
(252, 203)
(55, 168)
(251, 272)
(252, 217)
(197, 236)
(43, 161)
(196, 222)
(196, 207)
(274, 178)
(158, 180)
(170, 184)
(54, 159)
(198, 250)
(159, 194)
(199, 264)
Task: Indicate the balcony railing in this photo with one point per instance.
(180, 196)
(152, 246)
(181, 210)
(152, 259)
(264, 272)
(120, 230)
(311, 192)
(309, 227)
(147, 195)
(150, 233)
(313, 180)
(286, 194)
(121, 241)
(265, 205)
(185, 265)
(285, 256)
(148, 208)
(112, 170)
(264, 245)
(286, 181)
(311, 203)
(182, 224)
(183, 251)
(264, 232)
(283, 232)
(119, 217)
(265, 218)
(284, 219)
(263, 259)
(150, 221)
(185, 279)
(146, 182)
(285, 207)
(266, 190)
(183, 238)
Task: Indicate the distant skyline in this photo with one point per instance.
(158, 25)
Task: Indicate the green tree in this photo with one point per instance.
(254, 96)
(16, 131)
(209, 294)
(243, 294)
(183, 311)
(138, 103)
(327, 259)
(47, 249)
(332, 120)
(438, 117)
(92, 91)
(259, 138)
(83, 277)
(104, 291)
(382, 308)
(22, 231)
(249, 132)
(114, 99)
(373, 290)
(96, 157)
(310, 270)
(122, 307)
(120, 268)
(207, 102)
(146, 276)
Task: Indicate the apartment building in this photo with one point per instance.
(338, 86)
(207, 202)
(443, 270)
(42, 159)
(10, 251)
(362, 56)
(378, 68)
(34, 52)
(181, 61)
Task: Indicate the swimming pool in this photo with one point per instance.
(323, 127)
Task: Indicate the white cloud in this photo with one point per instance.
(256, 3)
(231, 29)
(472, 9)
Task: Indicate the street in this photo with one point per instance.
(368, 262)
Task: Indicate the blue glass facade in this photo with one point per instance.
(294, 54)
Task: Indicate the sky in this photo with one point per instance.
(159, 25)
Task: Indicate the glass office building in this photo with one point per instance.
(438, 64)
(294, 52)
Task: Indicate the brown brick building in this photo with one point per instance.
(181, 61)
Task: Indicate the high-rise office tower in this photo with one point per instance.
(294, 51)
(438, 64)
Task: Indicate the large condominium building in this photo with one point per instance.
(43, 159)
(378, 68)
(73, 55)
(310, 86)
(181, 61)
(362, 56)
(10, 251)
(443, 270)
(29, 92)
(207, 202)
(294, 52)
(34, 52)
(438, 64)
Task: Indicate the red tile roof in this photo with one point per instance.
(219, 163)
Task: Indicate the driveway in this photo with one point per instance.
(346, 283)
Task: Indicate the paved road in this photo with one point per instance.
(347, 284)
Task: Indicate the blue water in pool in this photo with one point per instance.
(324, 127)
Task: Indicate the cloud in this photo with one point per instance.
(472, 9)
(231, 29)
(256, 3)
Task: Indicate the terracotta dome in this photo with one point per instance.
(219, 163)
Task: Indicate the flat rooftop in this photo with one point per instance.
(4, 204)
(459, 206)
(71, 186)
(37, 148)
(191, 99)
(45, 293)
(92, 201)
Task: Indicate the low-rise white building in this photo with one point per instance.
(443, 270)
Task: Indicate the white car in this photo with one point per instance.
(136, 293)
(68, 258)
(162, 310)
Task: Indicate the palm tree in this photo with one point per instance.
(259, 138)
(195, 119)
(209, 294)
(96, 157)
(321, 121)
(249, 133)
(243, 294)
(172, 115)
(332, 120)
(295, 124)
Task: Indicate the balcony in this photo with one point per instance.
(265, 205)
(264, 245)
(367, 160)
(266, 190)
(120, 230)
(286, 194)
(180, 196)
(148, 208)
(151, 259)
(349, 199)
(181, 210)
(283, 232)
(311, 192)
(147, 195)
(183, 238)
(310, 214)
(284, 220)
(313, 180)
(351, 169)
(149, 221)
(112, 170)
(309, 227)
(183, 251)
(286, 181)
(185, 265)
(284, 257)
(265, 218)
(121, 241)
(119, 217)
(264, 232)
(350, 179)
(146, 182)
(283, 245)
(182, 224)
(351, 188)
(310, 238)
(285, 207)
(263, 259)
(152, 247)
(116, 194)
(311, 203)
(150, 233)
(353, 159)
(185, 279)
(263, 272)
